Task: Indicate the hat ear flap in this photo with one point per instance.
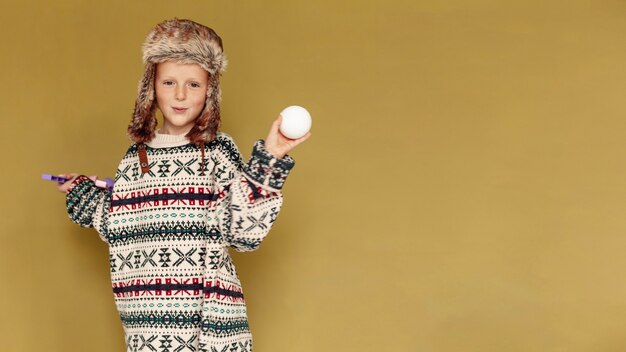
(141, 128)
(214, 99)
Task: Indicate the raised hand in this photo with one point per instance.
(64, 186)
(279, 145)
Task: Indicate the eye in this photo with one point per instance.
(168, 83)
(195, 85)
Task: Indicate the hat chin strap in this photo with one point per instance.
(143, 158)
(145, 166)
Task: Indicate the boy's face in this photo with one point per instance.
(180, 93)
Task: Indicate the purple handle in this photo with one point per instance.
(49, 177)
(107, 183)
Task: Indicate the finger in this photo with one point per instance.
(62, 176)
(61, 187)
(275, 127)
(302, 139)
(277, 122)
(70, 177)
(284, 138)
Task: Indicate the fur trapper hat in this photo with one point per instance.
(185, 42)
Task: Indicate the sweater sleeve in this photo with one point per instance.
(255, 197)
(88, 205)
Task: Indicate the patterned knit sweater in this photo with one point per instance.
(168, 232)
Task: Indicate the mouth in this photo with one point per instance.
(176, 109)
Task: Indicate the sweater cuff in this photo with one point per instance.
(78, 200)
(265, 169)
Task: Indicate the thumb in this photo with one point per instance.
(277, 122)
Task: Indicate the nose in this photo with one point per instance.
(181, 93)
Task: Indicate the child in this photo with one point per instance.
(183, 195)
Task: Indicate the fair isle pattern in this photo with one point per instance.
(263, 166)
(175, 286)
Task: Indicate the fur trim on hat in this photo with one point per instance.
(185, 42)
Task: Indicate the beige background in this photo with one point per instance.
(463, 189)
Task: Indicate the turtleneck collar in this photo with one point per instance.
(161, 140)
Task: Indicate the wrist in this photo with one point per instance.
(274, 152)
(266, 169)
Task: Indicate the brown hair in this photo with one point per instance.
(182, 41)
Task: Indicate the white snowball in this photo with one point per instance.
(296, 122)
